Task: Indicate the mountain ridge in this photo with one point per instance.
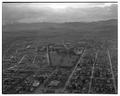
(53, 26)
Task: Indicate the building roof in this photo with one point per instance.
(54, 83)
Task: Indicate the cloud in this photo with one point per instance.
(13, 13)
(39, 12)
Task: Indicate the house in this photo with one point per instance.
(35, 83)
(28, 46)
(54, 83)
(78, 50)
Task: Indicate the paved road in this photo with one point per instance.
(113, 77)
(18, 63)
(47, 55)
(67, 82)
(90, 84)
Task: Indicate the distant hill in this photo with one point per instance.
(59, 31)
(38, 26)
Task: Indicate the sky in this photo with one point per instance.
(57, 12)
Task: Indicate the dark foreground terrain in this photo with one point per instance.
(60, 58)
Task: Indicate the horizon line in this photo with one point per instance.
(60, 2)
(59, 22)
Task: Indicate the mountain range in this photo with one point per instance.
(106, 30)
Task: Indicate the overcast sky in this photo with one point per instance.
(57, 12)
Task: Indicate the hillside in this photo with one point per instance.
(61, 31)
